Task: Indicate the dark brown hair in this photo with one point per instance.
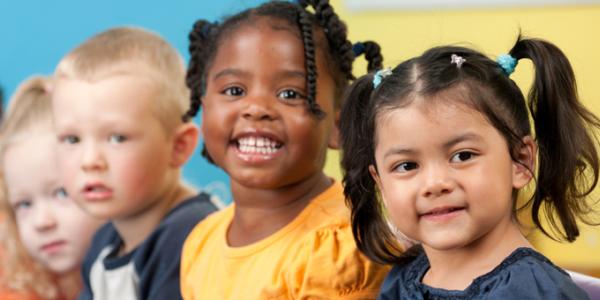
(568, 158)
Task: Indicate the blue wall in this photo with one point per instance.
(35, 34)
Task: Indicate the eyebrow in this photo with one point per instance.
(400, 150)
(226, 72)
(280, 74)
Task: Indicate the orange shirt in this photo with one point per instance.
(314, 256)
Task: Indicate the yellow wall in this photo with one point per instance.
(575, 29)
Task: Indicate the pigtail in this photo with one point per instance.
(369, 226)
(567, 150)
(199, 37)
(372, 52)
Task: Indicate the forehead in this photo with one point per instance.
(23, 162)
(423, 120)
(119, 95)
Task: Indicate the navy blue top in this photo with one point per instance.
(525, 274)
(151, 270)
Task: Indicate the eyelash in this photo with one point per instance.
(22, 204)
(410, 165)
(458, 154)
(69, 139)
(228, 91)
(117, 138)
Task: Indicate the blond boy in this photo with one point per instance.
(118, 104)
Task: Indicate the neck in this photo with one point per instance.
(262, 212)
(134, 229)
(70, 284)
(455, 269)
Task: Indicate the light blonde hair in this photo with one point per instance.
(129, 50)
(29, 110)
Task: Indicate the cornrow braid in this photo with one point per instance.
(199, 47)
(337, 36)
(311, 65)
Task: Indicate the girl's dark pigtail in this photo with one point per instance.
(564, 132)
(372, 52)
(369, 226)
(199, 45)
(311, 66)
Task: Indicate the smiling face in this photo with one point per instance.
(53, 229)
(255, 121)
(114, 153)
(445, 174)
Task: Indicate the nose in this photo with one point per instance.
(438, 181)
(259, 107)
(92, 158)
(43, 217)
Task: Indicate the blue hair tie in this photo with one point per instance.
(380, 75)
(507, 63)
(358, 48)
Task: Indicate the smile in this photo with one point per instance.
(442, 213)
(257, 145)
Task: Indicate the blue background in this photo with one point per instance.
(35, 34)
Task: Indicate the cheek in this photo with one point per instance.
(27, 236)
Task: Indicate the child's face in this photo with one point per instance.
(114, 153)
(445, 174)
(255, 121)
(53, 229)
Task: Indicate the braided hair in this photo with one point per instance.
(205, 39)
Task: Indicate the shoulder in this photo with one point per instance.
(169, 236)
(403, 280)
(328, 258)
(205, 230)
(528, 274)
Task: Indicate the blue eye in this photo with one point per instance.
(117, 138)
(22, 204)
(462, 156)
(60, 193)
(70, 139)
(290, 94)
(406, 166)
(234, 91)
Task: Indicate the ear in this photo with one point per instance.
(334, 138)
(184, 143)
(375, 176)
(523, 169)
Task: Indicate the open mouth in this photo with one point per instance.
(257, 145)
(96, 191)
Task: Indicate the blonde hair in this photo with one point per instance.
(128, 50)
(30, 109)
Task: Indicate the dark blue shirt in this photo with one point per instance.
(151, 270)
(525, 274)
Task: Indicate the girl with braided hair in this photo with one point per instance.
(440, 147)
(269, 82)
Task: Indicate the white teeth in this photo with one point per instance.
(257, 145)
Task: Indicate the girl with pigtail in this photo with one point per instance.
(439, 148)
(269, 83)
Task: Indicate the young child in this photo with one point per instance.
(269, 81)
(44, 233)
(440, 147)
(119, 102)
